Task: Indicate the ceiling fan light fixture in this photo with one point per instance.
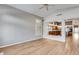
(46, 7)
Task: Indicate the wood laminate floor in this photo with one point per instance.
(39, 47)
(0, 49)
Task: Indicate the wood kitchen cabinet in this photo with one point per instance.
(54, 32)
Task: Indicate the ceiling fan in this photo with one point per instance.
(46, 6)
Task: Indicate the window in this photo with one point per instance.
(38, 27)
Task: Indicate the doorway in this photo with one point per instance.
(69, 34)
(72, 34)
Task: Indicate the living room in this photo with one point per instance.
(33, 28)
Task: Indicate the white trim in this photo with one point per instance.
(17, 43)
(29, 40)
(57, 39)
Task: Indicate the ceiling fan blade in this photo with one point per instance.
(46, 8)
(51, 4)
(41, 7)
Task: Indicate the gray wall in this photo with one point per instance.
(16, 26)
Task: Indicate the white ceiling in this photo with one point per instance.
(35, 8)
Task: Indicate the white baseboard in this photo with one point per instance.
(27, 41)
(18, 43)
(57, 39)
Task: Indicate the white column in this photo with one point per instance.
(63, 30)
